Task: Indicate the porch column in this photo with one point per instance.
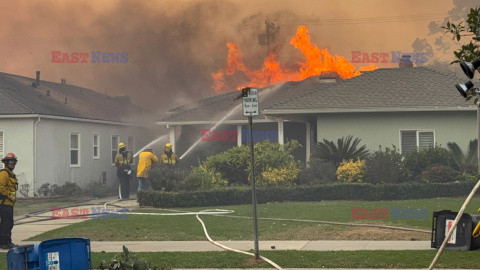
(280, 133)
(172, 137)
(239, 135)
(308, 140)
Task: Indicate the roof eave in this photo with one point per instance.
(343, 110)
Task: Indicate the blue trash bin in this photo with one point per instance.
(23, 258)
(55, 254)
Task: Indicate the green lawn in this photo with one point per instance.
(26, 206)
(178, 228)
(304, 259)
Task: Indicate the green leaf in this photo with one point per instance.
(468, 98)
(476, 100)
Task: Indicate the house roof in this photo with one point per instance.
(386, 89)
(392, 89)
(214, 108)
(19, 97)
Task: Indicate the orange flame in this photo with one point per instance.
(316, 61)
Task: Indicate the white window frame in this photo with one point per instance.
(97, 146)
(78, 149)
(417, 138)
(114, 149)
(2, 149)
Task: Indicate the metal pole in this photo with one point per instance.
(254, 196)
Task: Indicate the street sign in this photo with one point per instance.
(250, 103)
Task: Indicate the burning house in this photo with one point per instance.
(407, 107)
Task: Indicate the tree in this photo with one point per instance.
(471, 51)
(465, 162)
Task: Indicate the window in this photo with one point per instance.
(413, 139)
(115, 142)
(96, 146)
(1, 150)
(75, 149)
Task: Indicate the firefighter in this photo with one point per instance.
(145, 161)
(8, 197)
(169, 158)
(122, 161)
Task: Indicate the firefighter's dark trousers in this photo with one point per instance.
(6, 224)
(124, 180)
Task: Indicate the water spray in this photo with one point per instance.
(163, 137)
(264, 93)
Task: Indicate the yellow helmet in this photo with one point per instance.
(168, 145)
(121, 145)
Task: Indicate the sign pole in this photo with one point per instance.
(254, 195)
(250, 108)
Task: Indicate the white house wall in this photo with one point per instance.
(18, 139)
(53, 146)
(383, 129)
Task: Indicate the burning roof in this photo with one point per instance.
(316, 62)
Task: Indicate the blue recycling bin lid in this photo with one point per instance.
(65, 254)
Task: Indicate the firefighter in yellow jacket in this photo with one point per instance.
(122, 161)
(145, 160)
(8, 197)
(169, 159)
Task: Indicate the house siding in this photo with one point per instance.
(375, 129)
(18, 139)
(53, 158)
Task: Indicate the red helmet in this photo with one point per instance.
(9, 156)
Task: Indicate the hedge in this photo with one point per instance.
(337, 191)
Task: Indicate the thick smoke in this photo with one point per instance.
(174, 46)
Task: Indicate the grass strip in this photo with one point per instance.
(308, 259)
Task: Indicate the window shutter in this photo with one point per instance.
(1, 149)
(409, 140)
(425, 139)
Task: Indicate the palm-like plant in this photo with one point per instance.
(465, 162)
(345, 149)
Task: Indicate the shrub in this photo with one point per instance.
(317, 173)
(345, 149)
(335, 191)
(467, 177)
(163, 178)
(279, 176)
(200, 178)
(416, 162)
(67, 189)
(98, 190)
(351, 171)
(386, 167)
(440, 174)
(234, 164)
(465, 162)
(45, 190)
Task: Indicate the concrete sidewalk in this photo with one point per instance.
(178, 246)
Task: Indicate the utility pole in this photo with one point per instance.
(268, 38)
